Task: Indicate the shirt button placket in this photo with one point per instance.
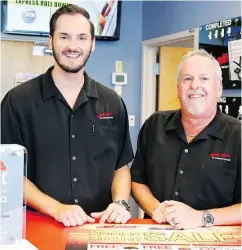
(73, 157)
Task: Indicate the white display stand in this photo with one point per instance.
(13, 167)
(22, 245)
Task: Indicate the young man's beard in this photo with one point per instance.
(70, 69)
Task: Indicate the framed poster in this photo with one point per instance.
(231, 106)
(222, 39)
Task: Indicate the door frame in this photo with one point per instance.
(148, 78)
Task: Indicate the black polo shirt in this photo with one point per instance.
(72, 153)
(204, 174)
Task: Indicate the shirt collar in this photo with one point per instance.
(215, 128)
(49, 89)
(90, 86)
(175, 121)
(48, 86)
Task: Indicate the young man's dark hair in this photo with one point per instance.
(70, 9)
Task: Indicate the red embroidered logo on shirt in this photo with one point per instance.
(221, 156)
(105, 115)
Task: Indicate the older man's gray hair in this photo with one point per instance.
(200, 52)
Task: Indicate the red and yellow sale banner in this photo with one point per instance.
(110, 236)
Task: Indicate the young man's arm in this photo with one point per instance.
(117, 211)
(69, 215)
(121, 185)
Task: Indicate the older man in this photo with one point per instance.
(187, 168)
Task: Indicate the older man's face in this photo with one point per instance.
(199, 87)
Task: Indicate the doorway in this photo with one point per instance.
(150, 50)
(169, 59)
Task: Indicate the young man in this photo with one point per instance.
(187, 168)
(75, 131)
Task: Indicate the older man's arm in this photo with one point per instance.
(227, 215)
(146, 200)
(182, 216)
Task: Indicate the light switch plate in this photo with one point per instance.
(131, 120)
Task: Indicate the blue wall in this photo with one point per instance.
(161, 18)
(166, 17)
(128, 49)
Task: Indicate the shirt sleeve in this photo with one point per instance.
(10, 127)
(237, 191)
(125, 151)
(138, 168)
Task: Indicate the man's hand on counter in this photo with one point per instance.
(71, 215)
(158, 213)
(182, 216)
(114, 213)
